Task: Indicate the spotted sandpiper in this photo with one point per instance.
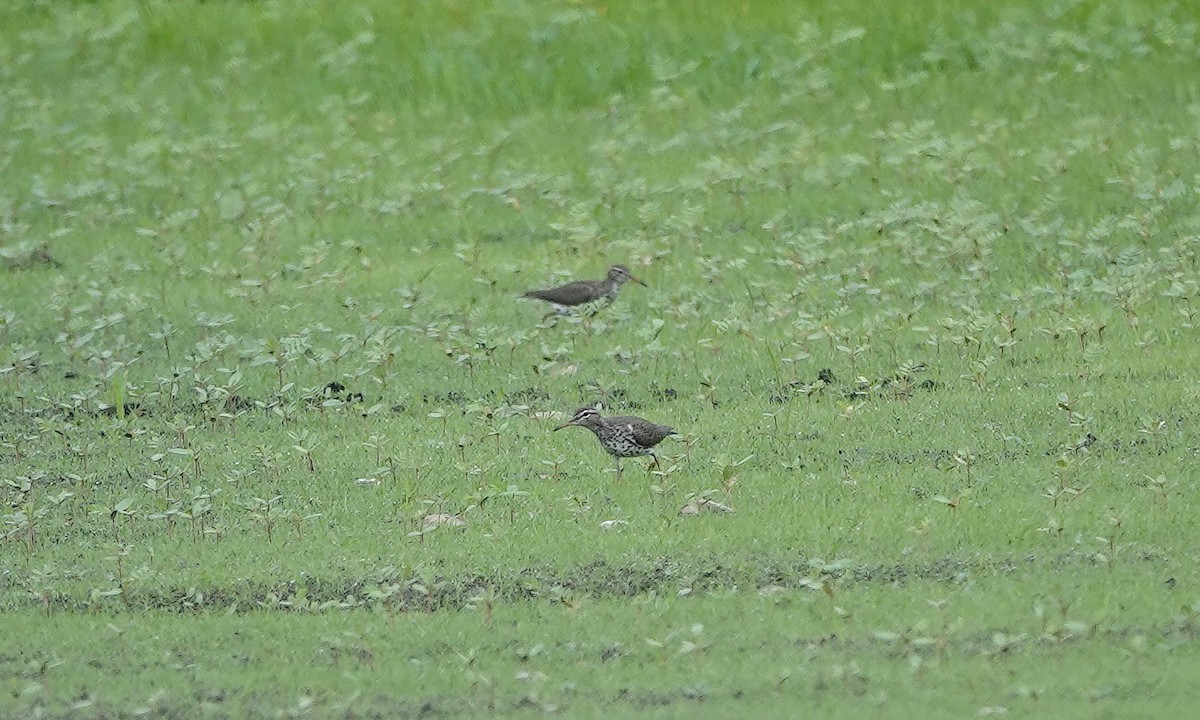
(581, 292)
(621, 436)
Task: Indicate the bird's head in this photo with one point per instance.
(584, 417)
(621, 275)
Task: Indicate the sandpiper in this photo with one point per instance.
(621, 435)
(581, 292)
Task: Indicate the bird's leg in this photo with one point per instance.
(618, 461)
(654, 461)
(556, 312)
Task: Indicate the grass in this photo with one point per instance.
(922, 302)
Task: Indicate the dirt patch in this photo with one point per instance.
(596, 579)
(26, 256)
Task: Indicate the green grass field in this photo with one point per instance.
(923, 301)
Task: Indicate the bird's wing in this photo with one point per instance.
(646, 434)
(573, 293)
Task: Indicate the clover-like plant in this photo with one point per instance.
(305, 443)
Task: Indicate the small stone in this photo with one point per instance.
(440, 519)
(697, 505)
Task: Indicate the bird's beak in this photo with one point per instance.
(568, 423)
(639, 282)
